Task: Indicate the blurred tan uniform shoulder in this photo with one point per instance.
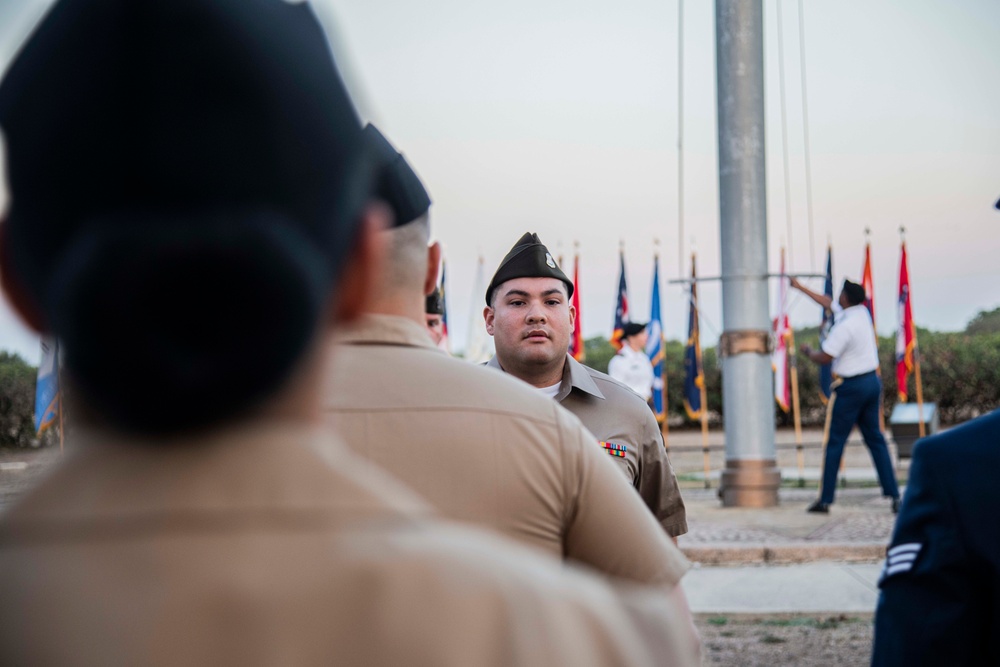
(628, 433)
(483, 447)
(246, 548)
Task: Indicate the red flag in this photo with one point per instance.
(906, 335)
(866, 282)
(782, 330)
(576, 343)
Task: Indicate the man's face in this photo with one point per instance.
(531, 321)
(435, 327)
(843, 301)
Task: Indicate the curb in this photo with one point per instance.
(784, 554)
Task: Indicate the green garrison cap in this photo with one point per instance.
(529, 258)
(397, 183)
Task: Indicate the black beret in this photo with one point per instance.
(529, 258)
(435, 303)
(178, 167)
(123, 105)
(397, 184)
(855, 292)
(632, 328)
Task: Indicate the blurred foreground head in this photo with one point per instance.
(186, 181)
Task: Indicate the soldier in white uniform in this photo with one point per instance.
(631, 365)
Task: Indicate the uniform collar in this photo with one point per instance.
(575, 376)
(386, 330)
(853, 311)
(627, 351)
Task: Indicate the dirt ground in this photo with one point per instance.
(800, 640)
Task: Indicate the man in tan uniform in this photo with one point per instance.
(529, 315)
(211, 176)
(477, 444)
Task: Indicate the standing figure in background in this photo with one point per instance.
(631, 366)
(856, 392)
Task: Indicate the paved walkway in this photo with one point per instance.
(783, 560)
(857, 529)
(824, 587)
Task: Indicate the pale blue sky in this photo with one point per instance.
(561, 118)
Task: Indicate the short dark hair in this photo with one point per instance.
(854, 293)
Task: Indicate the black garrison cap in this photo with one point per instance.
(633, 328)
(529, 258)
(855, 292)
(122, 105)
(434, 304)
(397, 184)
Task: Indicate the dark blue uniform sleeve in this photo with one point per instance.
(926, 612)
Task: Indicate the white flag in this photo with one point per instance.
(479, 344)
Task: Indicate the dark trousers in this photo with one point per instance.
(855, 401)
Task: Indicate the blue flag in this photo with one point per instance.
(47, 387)
(654, 345)
(694, 378)
(445, 343)
(621, 307)
(826, 370)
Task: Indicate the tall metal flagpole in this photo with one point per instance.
(751, 477)
(680, 138)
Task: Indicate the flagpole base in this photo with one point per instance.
(750, 483)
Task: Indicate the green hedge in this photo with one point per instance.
(960, 372)
(17, 401)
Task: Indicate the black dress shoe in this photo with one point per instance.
(819, 507)
(895, 505)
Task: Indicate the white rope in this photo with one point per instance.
(784, 133)
(680, 138)
(805, 132)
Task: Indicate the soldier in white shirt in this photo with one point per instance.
(631, 365)
(857, 390)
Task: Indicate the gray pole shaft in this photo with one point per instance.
(750, 477)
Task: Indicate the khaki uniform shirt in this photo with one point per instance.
(245, 548)
(483, 448)
(628, 432)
